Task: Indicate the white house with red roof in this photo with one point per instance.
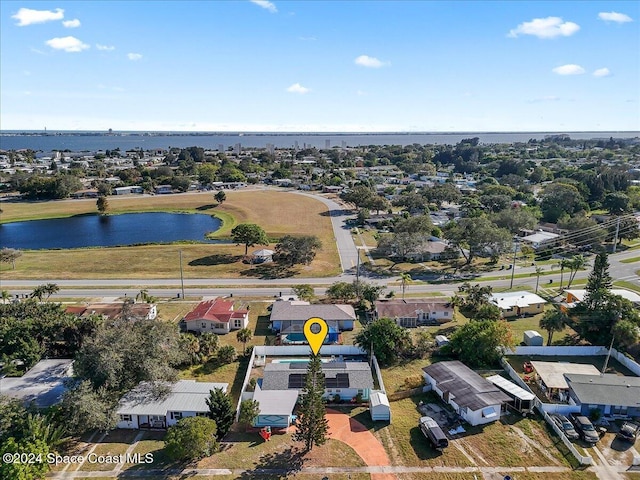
(215, 316)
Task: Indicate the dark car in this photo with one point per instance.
(565, 425)
(628, 432)
(434, 433)
(585, 428)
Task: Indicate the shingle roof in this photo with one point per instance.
(402, 308)
(277, 375)
(184, 396)
(607, 389)
(467, 387)
(285, 310)
(218, 310)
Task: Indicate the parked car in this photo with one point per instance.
(434, 433)
(585, 428)
(565, 425)
(628, 432)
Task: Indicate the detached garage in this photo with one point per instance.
(379, 407)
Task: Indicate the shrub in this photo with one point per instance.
(227, 354)
(414, 381)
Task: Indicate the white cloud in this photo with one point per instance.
(266, 4)
(134, 56)
(105, 48)
(370, 62)
(27, 16)
(614, 17)
(75, 23)
(297, 88)
(546, 98)
(549, 27)
(602, 72)
(68, 44)
(569, 69)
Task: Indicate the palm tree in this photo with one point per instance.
(405, 278)
(244, 335)
(41, 290)
(564, 263)
(575, 264)
(553, 321)
(537, 274)
(5, 296)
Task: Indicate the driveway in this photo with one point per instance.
(365, 444)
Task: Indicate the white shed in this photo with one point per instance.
(379, 406)
(441, 340)
(532, 338)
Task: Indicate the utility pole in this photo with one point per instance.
(615, 240)
(181, 275)
(513, 267)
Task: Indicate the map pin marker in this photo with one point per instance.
(315, 330)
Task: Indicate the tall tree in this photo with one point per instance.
(10, 255)
(477, 236)
(102, 204)
(220, 196)
(304, 291)
(553, 321)
(341, 291)
(249, 234)
(249, 410)
(577, 262)
(312, 424)
(244, 335)
(537, 273)
(298, 250)
(405, 279)
(599, 283)
(476, 343)
(388, 340)
(221, 411)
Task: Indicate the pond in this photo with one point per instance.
(107, 231)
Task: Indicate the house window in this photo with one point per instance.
(204, 325)
(201, 414)
(237, 323)
(176, 415)
(338, 390)
(125, 418)
(329, 390)
(360, 391)
(446, 314)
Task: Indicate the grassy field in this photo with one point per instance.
(278, 213)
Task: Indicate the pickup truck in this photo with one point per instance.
(628, 432)
(434, 433)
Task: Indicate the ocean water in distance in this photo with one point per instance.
(91, 142)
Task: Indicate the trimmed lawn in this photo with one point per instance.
(174, 311)
(519, 326)
(115, 443)
(278, 213)
(631, 260)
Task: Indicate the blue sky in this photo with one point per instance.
(320, 66)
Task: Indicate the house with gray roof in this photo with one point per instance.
(288, 317)
(43, 384)
(614, 395)
(275, 407)
(475, 399)
(162, 404)
(344, 379)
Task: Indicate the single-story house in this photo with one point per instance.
(551, 376)
(575, 296)
(263, 255)
(43, 384)
(613, 395)
(215, 316)
(345, 379)
(162, 405)
(379, 407)
(474, 398)
(290, 316)
(114, 311)
(133, 189)
(516, 304)
(275, 407)
(163, 189)
(540, 239)
(415, 312)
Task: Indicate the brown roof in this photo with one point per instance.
(218, 310)
(407, 308)
(110, 310)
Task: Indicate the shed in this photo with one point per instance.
(523, 401)
(532, 338)
(441, 340)
(379, 407)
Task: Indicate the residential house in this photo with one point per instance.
(163, 189)
(551, 376)
(342, 379)
(215, 316)
(116, 310)
(133, 189)
(289, 317)
(575, 296)
(540, 239)
(474, 398)
(614, 395)
(415, 312)
(516, 304)
(162, 405)
(43, 384)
